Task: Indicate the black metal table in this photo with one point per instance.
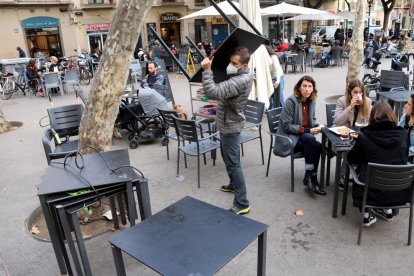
(190, 237)
(58, 181)
(399, 98)
(341, 147)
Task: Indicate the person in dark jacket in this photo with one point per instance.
(232, 95)
(298, 123)
(22, 54)
(383, 142)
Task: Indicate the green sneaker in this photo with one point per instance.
(227, 188)
(239, 211)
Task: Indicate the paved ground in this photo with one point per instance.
(313, 244)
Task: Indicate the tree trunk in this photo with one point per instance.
(98, 119)
(388, 7)
(309, 32)
(348, 5)
(4, 124)
(357, 51)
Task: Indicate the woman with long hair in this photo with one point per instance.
(383, 142)
(407, 122)
(298, 122)
(354, 107)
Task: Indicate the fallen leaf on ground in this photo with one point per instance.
(299, 212)
(35, 230)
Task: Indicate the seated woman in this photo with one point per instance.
(407, 122)
(383, 142)
(354, 107)
(54, 65)
(352, 110)
(33, 76)
(298, 122)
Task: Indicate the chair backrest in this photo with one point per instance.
(51, 79)
(159, 88)
(168, 116)
(83, 97)
(273, 117)
(253, 111)
(336, 53)
(71, 75)
(309, 58)
(395, 89)
(390, 79)
(330, 112)
(299, 58)
(186, 129)
(391, 178)
(65, 120)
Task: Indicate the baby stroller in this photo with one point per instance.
(142, 117)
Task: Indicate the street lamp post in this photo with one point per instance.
(370, 2)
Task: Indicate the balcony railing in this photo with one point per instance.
(33, 2)
(169, 2)
(98, 4)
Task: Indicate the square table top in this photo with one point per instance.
(190, 237)
(397, 96)
(57, 179)
(336, 141)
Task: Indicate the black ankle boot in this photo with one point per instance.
(317, 187)
(307, 180)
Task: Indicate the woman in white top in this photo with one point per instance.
(278, 80)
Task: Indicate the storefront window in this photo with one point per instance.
(97, 34)
(43, 36)
(170, 28)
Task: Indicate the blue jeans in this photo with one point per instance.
(230, 150)
(281, 97)
(311, 149)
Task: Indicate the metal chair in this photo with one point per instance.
(298, 61)
(330, 112)
(309, 60)
(52, 80)
(336, 57)
(253, 111)
(273, 116)
(169, 122)
(387, 178)
(388, 80)
(187, 130)
(64, 121)
(71, 77)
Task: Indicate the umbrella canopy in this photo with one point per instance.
(323, 16)
(284, 9)
(260, 60)
(211, 11)
(348, 14)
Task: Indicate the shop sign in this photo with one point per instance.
(218, 21)
(98, 27)
(40, 22)
(170, 17)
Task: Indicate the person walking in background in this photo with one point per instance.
(284, 46)
(232, 95)
(22, 54)
(382, 142)
(298, 122)
(278, 79)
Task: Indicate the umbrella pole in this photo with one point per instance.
(174, 58)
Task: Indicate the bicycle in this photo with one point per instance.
(84, 74)
(7, 86)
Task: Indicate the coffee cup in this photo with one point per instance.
(345, 134)
(359, 98)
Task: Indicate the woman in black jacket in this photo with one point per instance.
(383, 142)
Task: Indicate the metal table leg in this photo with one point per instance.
(323, 158)
(81, 245)
(113, 212)
(131, 202)
(143, 197)
(68, 234)
(345, 195)
(336, 186)
(119, 262)
(57, 243)
(261, 255)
